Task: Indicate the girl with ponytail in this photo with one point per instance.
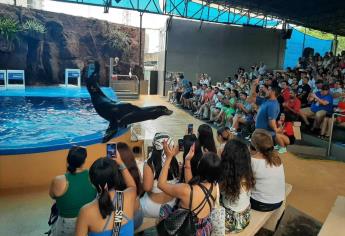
(269, 191)
(71, 191)
(111, 214)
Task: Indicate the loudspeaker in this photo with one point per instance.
(153, 83)
(286, 34)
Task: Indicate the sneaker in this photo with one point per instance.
(282, 150)
(276, 147)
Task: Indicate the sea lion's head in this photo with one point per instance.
(164, 110)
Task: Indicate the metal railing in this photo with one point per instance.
(331, 134)
(125, 80)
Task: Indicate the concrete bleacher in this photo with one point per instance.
(267, 220)
(335, 222)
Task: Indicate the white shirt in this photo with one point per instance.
(240, 205)
(270, 182)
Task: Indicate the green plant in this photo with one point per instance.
(8, 28)
(119, 40)
(34, 26)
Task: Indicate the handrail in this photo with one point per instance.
(331, 134)
(129, 78)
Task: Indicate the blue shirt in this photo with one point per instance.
(315, 106)
(269, 110)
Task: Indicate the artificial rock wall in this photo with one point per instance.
(68, 42)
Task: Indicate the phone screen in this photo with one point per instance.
(180, 144)
(111, 150)
(90, 69)
(190, 129)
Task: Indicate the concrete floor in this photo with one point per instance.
(316, 183)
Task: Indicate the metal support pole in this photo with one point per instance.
(335, 44)
(140, 48)
(331, 134)
(303, 45)
(168, 25)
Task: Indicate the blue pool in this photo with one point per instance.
(40, 119)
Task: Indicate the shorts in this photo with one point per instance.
(187, 95)
(64, 227)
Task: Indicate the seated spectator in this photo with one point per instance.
(204, 108)
(337, 92)
(223, 136)
(228, 107)
(268, 193)
(285, 90)
(326, 125)
(244, 113)
(198, 194)
(321, 105)
(128, 158)
(285, 135)
(154, 198)
(216, 105)
(236, 183)
(71, 191)
(116, 194)
(303, 92)
(196, 97)
(198, 101)
(292, 107)
(318, 86)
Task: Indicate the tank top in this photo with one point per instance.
(241, 204)
(79, 192)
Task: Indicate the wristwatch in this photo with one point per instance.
(122, 167)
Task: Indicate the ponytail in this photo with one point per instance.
(71, 169)
(272, 157)
(106, 206)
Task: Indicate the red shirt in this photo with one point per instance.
(286, 94)
(288, 128)
(294, 104)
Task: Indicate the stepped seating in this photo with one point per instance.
(258, 219)
(334, 224)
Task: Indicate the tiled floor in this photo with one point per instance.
(316, 183)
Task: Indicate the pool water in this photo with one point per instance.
(39, 121)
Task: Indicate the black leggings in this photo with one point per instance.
(260, 206)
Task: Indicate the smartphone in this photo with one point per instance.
(111, 150)
(190, 128)
(90, 69)
(180, 144)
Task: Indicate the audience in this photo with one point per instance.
(154, 197)
(236, 183)
(71, 191)
(223, 136)
(113, 211)
(268, 193)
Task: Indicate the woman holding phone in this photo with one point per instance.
(113, 211)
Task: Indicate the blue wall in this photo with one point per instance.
(294, 47)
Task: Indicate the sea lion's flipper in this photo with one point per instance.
(110, 132)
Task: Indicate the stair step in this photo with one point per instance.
(308, 151)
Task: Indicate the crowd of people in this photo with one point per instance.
(182, 183)
(311, 92)
(114, 195)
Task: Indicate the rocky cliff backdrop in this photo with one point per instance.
(45, 43)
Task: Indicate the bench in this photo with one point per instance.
(334, 224)
(268, 220)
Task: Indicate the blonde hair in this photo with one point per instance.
(262, 141)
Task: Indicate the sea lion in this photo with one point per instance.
(118, 114)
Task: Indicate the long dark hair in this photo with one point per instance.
(129, 160)
(105, 175)
(209, 169)
(75, 158)
(155, 163)
(261, 141)
(206, 139)
(224, 133)
(237, 170)
(188, 141)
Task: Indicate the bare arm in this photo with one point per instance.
(129, 181)
(187, 166)
(148, 178)
(82, 227)
(174, 190)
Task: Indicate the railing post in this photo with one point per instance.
(331, 134)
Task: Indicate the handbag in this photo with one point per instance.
(180, 222)
(118, 214)
(218, 217)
